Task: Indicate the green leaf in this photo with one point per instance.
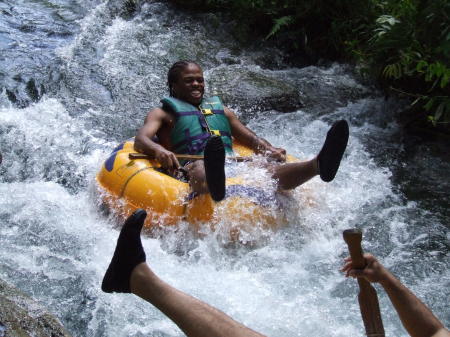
(439, 111)
(278, 23)
(393, 70)
(429, 104)
(438, 69)
(445, 79)
(420, 65)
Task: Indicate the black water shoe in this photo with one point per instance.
(128, 254)
(332, 151)
(214, 159)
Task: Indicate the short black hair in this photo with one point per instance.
(175, 70)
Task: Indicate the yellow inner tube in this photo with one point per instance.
(129, 184)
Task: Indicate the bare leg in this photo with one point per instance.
(194, 317)
(291, 175)
(326, 163)
(208, 175)
(197, 179)
(128, 272)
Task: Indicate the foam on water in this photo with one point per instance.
(43, 142)
(287, 286)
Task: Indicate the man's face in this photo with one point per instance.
(190, 85)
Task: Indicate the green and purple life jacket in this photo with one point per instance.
(194, 125)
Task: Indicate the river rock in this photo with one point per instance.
(253, 90)
(325, 89)
(22, 92)
(31, 34)
(124, 8)
(21, 316)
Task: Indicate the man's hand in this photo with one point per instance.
(262, 146)
(372, 272)
(167, 159)
(276, 153)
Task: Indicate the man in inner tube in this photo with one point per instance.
(188, 123)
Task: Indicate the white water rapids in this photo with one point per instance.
(55, 243)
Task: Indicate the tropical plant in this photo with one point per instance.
(405, 44)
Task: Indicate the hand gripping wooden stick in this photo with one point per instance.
(367, 297)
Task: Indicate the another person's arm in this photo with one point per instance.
(417, 319)
(250, 139)
(143, 142)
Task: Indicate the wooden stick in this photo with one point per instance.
(367, 297)
(186, 157)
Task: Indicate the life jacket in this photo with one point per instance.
(194, 125)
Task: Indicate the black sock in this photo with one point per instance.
(214, 159)
(128, 254)
(333, 149)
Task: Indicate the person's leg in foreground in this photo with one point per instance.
(129, 273)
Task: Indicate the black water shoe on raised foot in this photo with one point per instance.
(214, 159)
(128, 254)
(332, 151)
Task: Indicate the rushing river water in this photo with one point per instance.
(77, 77)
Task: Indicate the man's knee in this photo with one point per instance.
(196, 170)
(196, 174)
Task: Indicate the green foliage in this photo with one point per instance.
(440, 106)
(278, 23)
(386, 23)
(403, 43)
(410, 48)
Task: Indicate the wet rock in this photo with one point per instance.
(318, 90)
(20, 316)
(29, 41)
(253, 89)
(11, 96)
(32, 90)
(130, 8)
(22, 92)
(324, 89)
(126, 9)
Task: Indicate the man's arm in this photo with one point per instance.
(143, 142)
(248, 138)
(417, 319)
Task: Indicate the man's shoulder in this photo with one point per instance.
(158, 113)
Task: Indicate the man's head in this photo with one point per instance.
(186, 82)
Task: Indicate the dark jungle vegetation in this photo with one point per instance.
(403, 44)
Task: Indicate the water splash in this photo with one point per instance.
(56, 245)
